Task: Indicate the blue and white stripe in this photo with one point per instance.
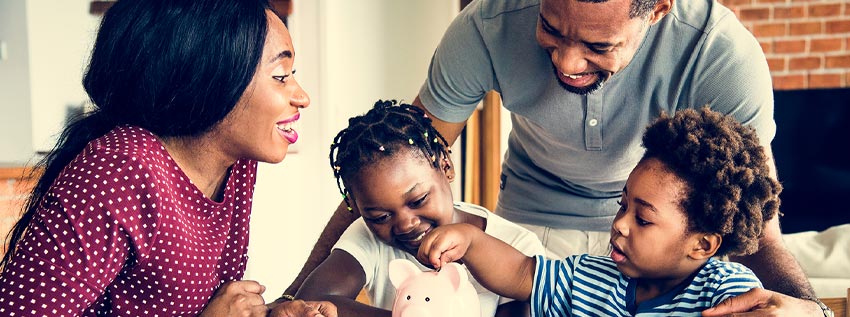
(585, 285)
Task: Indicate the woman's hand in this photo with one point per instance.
(300, 308)
(237, 298)
(762, 302)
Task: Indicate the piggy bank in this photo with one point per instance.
(447, 293)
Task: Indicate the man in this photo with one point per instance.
(582, 79)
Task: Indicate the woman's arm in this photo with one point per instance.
(337, 280)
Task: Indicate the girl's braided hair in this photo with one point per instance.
(387, 129)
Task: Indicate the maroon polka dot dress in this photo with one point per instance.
(124, 232)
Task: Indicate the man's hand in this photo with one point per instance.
(300, 308)
(762, 302)
(237, 298)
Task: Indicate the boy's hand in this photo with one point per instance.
(446, 244)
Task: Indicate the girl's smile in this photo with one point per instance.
(411, 240)
(402, 198)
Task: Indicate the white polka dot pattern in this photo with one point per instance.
(124, 232)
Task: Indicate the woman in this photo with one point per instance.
(144, 204)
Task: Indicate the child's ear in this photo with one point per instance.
(705, 245)
(447, 167)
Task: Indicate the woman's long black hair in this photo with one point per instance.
(173, 67)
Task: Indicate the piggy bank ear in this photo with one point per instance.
(455, 273)
(401, 270)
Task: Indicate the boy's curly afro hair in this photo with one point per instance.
(729, 187)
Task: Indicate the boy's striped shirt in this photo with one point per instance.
(585, 285)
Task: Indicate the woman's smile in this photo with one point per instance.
(287, 130)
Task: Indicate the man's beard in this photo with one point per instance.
(601, 77)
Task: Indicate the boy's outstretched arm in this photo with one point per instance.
(498, 266)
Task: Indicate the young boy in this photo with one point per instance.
(702, 189)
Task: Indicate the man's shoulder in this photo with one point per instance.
(706, 16)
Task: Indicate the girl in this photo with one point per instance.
(144, 204)
(702, 189)
(393, 168)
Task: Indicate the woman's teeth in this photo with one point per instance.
(286, 127)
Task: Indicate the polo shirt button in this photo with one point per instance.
(593, 122)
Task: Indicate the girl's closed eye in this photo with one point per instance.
(378, 220)
(419, 202)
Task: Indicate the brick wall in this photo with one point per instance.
(13, 192)
(807, 42)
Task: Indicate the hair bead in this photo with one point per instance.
(386, 125)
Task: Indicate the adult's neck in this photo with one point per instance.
(202, 160)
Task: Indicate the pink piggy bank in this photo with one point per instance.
(447, 293)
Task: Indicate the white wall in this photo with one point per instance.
(348, 55)
(61, 34)
(14, 84)
(48, 44)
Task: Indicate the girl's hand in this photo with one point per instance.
(237, 298)
(300, 308)
(446, 244)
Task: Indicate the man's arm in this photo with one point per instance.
(778, 271)
(449, 130)
(339, 221)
